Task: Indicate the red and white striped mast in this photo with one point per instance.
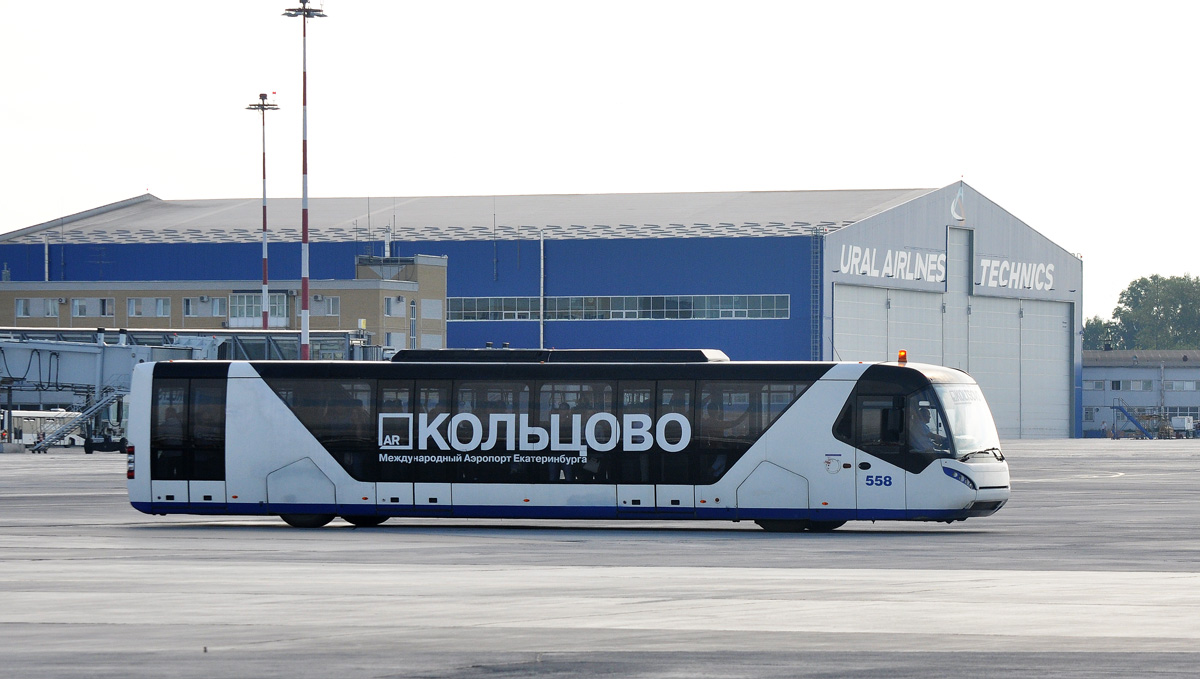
(263, 106)
(305, 13)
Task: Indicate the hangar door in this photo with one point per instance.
(1046, 343)
(1018, 350)
(873, 324)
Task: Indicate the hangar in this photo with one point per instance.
(945, 274)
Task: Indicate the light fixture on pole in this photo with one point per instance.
(305, 13)
(263, 106)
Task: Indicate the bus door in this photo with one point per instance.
(396, 431)
(187, 442)
(879, 446)
(675, 492)
(637, 464)
(433, 479)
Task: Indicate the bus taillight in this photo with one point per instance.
(129, 462)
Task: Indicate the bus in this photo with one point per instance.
(564, 434)
(29, 427)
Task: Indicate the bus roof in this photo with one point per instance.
(560, 356)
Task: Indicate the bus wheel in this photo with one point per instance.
(306, 520)
(365, 521)
(782, 525)
(824, 526)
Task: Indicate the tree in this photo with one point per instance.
(1097, 332)
(1157, 313)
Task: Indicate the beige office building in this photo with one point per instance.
(399, 301)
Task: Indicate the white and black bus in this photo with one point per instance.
(670, 434)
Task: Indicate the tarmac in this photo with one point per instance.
(1092, 569)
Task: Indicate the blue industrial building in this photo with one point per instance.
(792, 275)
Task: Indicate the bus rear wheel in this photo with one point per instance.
(306, 520)
(365, 521)
(782, 525)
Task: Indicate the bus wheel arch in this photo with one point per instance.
(360, 521)
(306, 520)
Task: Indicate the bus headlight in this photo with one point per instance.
(960, 477)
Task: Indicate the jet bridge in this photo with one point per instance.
(76, 376)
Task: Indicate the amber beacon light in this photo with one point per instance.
(902, 357)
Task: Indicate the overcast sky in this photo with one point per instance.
(1079, 118)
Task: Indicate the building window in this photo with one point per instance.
(249, 305)
(245, 306)
(323, 305)
(412, 324)
(1089, 414)
(82, 307)
(1179, 385)
(219, 306)
(191, 307)
(1133, 385)
(393, 306)
(245, 309)
(51, 310)
(22, 308)
(1093, 385)
(604, 308)
(148, 306)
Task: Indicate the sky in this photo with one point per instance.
(1079, 118)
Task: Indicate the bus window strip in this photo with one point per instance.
(704, 457)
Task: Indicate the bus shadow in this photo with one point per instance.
(748, 529)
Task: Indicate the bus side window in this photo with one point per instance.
(880, 424)
(433, 401)
(395, 398)
(206, 429)
(843, 427)
(167, 459)
(635, 398)
(675, 397)
(498, 404)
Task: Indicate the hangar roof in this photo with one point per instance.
(148, 219)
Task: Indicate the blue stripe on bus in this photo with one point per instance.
(544, 512)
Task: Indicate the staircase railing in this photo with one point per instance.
(113, 390)
(1124, 408)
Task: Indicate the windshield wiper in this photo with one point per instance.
(993, 451)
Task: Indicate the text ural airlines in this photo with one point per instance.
(896, 263)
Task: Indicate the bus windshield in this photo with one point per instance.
(969, 418)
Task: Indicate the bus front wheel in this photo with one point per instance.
(306, 520)
(365, 521)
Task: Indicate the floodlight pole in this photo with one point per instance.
(305, 13)
(263, 106)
